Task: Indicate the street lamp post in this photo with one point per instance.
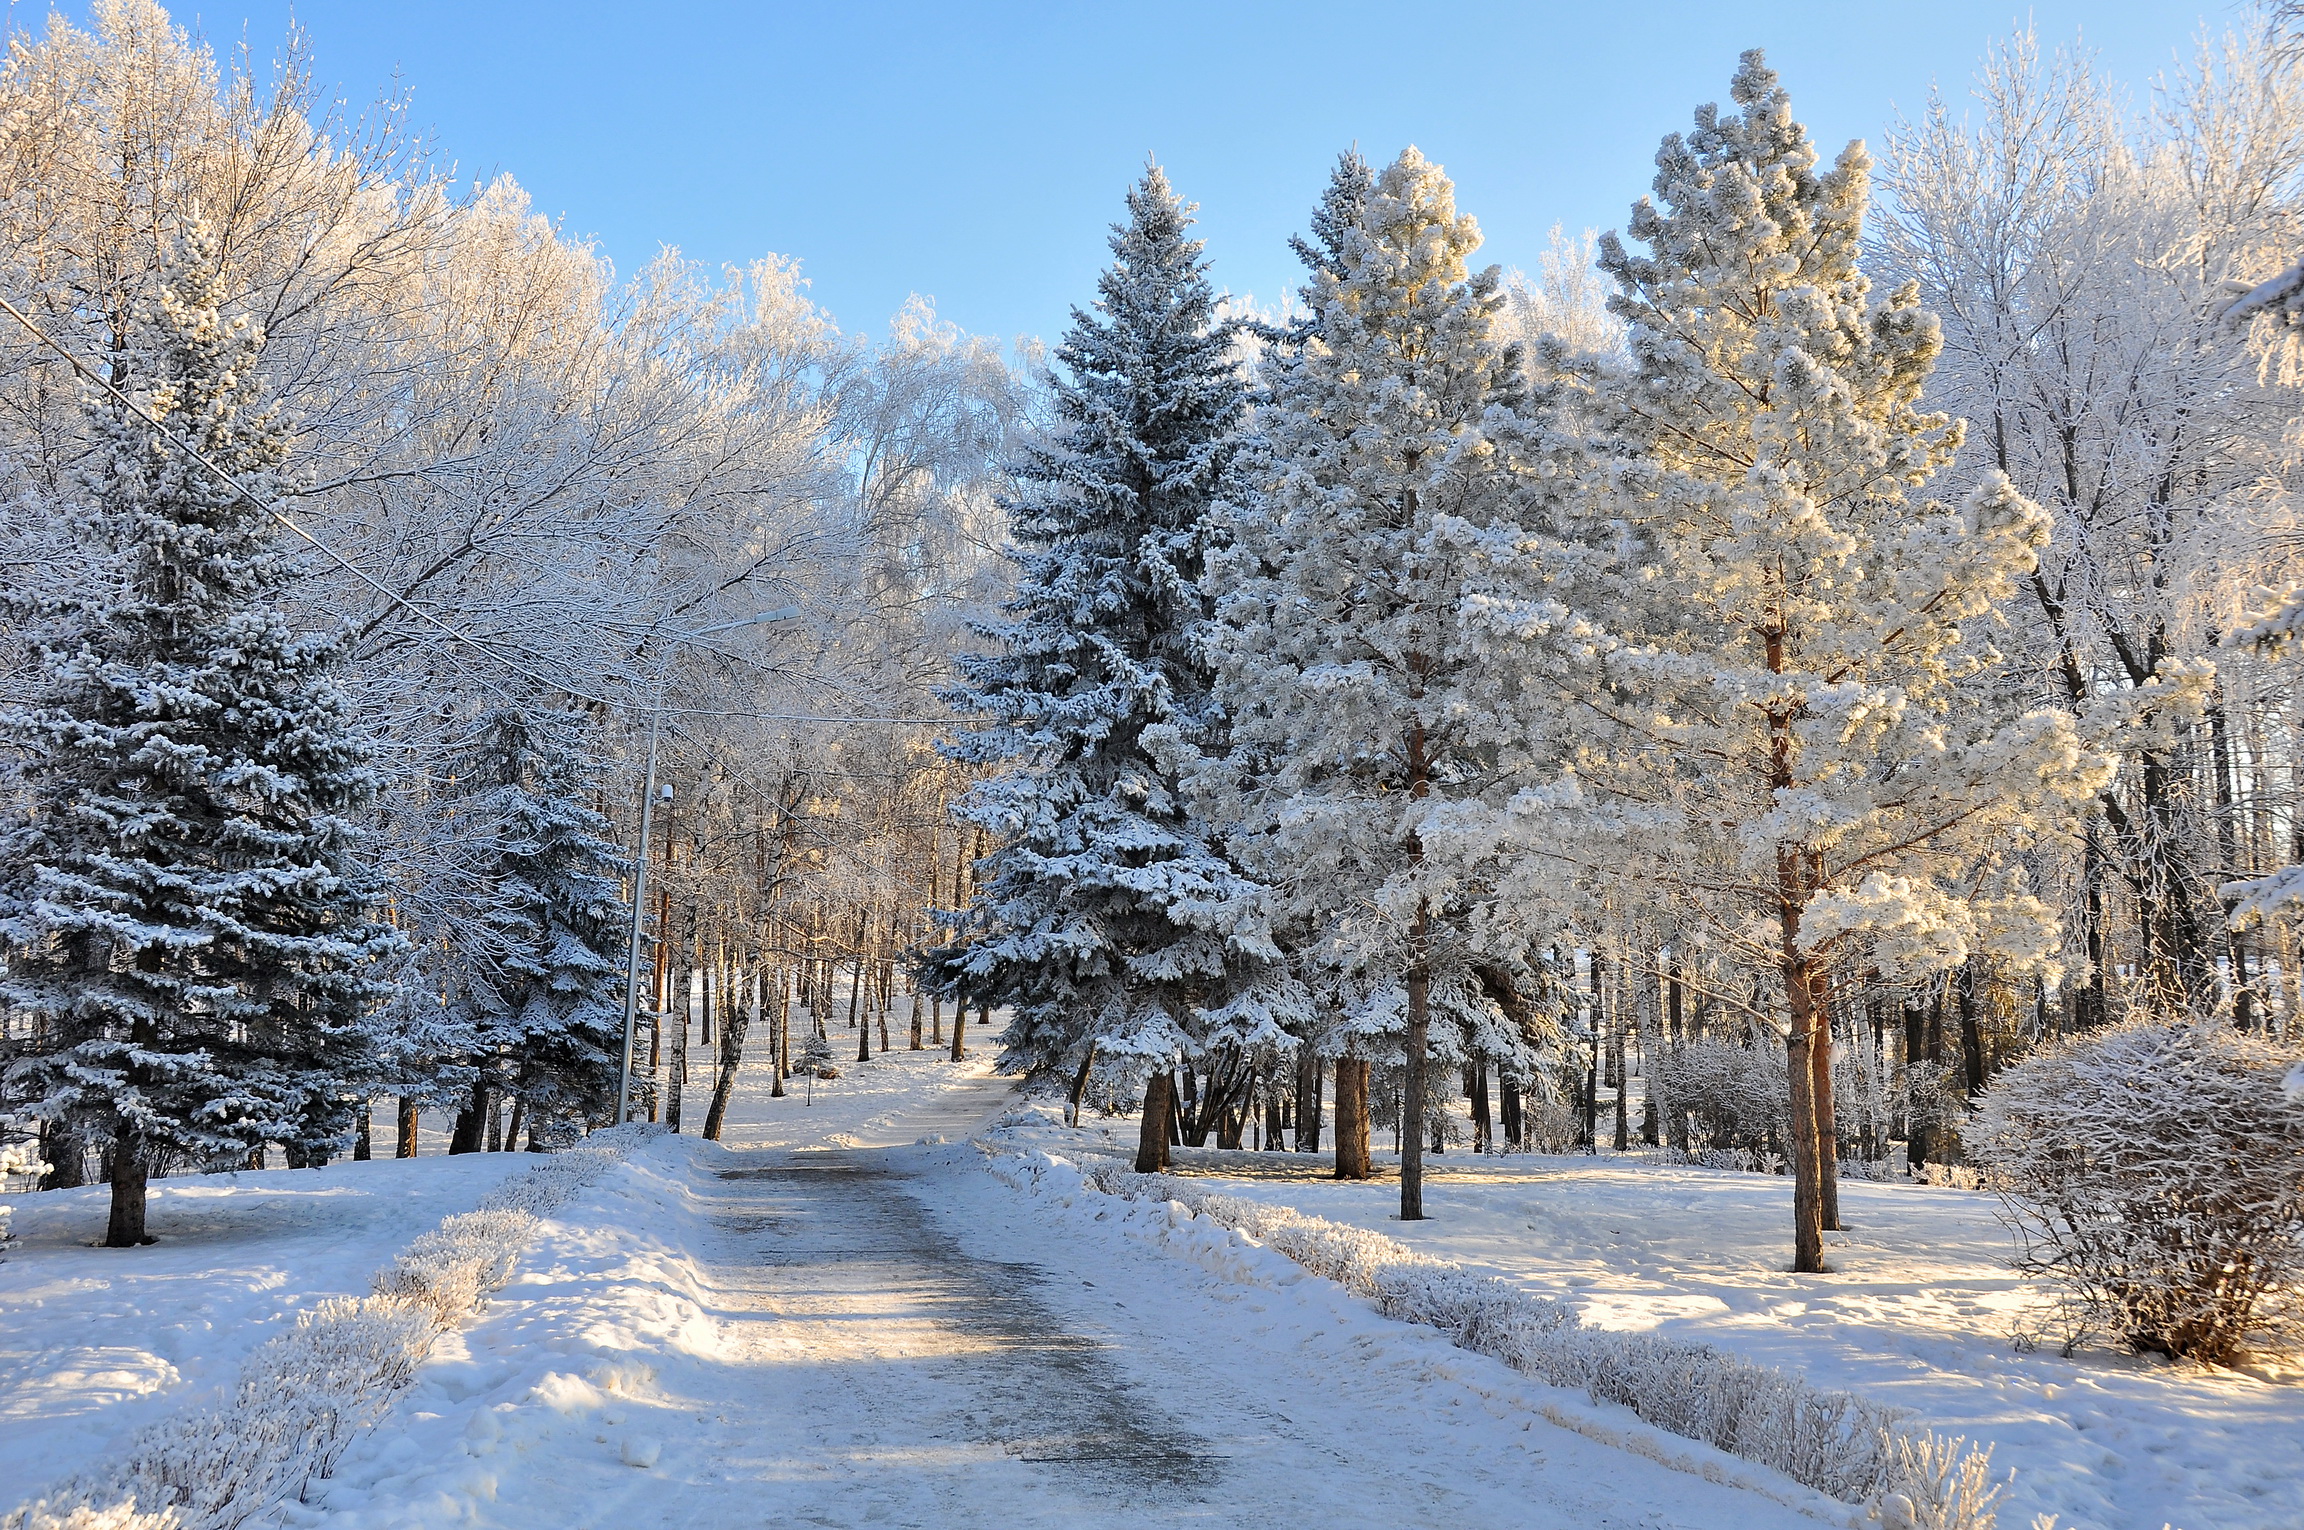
(640, 862)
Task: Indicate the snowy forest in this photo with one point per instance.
(1804, 685)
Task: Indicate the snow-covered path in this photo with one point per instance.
(868, 1335)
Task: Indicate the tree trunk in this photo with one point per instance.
(1412, 1095)
(1079, 1080)
(1483, 1133)
(676, 1068)
(912, 1003)
(1353, 1160)
(1152, 1133)
(1308, 1070)
(1508, 1109)
(1971, 1036)
(1827, 1120)
(733, 1026)
(405, 1146)
(363, 1142)
(780, 1036)
(65, 1154)
(1800, 980)
(129, 1172)
(472, 1121)
(496, 1123)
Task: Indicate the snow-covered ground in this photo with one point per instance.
(1919, 1312)
(858, 1334)
(97, 1342)
(830, 1320)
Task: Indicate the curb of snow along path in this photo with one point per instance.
(304, 1394)
(1902, 1475)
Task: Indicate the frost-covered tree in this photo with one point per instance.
(1108, 917)
(542, 953)
(1777, 648)
(184, 916)
(1380, 486)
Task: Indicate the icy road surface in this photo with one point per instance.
(867, 1335)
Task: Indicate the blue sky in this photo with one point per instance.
(975, 153)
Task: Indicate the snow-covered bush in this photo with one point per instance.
(304, 1394)
(2154, 1171)
(1835, 1442)
(1734, 1094)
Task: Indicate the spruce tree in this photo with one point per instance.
(184, 917)
(543, 952)
(1383, 486)
(1108, 915)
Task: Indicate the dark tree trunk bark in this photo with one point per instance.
(1971, 1036)
(1080, 1083)
(65, 1154)
(1827, 1118)
(1308, 1070)
(1152, 1133)
(472, 1121)
(364, 1144)
(1483, 1134)
(406, 1124)
(1508, 1101)
(1412, 1088)
(1353, 1160)
(130, 1170)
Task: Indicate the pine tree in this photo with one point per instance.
(1383, 485)
(1782, 654)
(543, 961)
(1109, 916)
(184, 916)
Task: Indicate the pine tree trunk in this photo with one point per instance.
(495, 1143)
(472, 1121)
(512, 1126)
(1308, 1070)
(1483, 1133)
(405, 1147)
(1800, 982)
(913, 1004)
(1152, 1133)
(129, 1172)
(1412, 1096)
(1353, 1159)
(364, 1145)
(1623, 1089)
(1827, 1119)
(1508, 1109)
(66, 1156)
(1079, 1082)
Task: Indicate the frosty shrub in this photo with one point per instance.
(2154, 1171)
(1734, 1094)
(1837, 1443)
(302, 1395)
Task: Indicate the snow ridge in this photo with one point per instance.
(303, 1395)
(1839, 1444)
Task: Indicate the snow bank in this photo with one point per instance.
(304, 1394)
(1836, 1443)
